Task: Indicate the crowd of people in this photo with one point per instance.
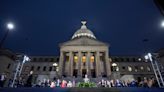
(146, 82)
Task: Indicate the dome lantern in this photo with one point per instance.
(83, 32)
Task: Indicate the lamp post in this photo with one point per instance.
(10, 26)
(19, 68)
(55, 68)
(156, 69)
(55, 64)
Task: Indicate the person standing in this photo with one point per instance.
(29, 80)
(2, 80)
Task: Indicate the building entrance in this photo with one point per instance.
(84, 72)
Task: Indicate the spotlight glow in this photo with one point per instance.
(10, 26)
(162, 24)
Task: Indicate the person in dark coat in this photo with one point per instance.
(29, 80)
(2, 79)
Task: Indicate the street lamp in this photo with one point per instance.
(20, 67)
(156, 69)
(10, 26)
(162, 24)
(55, 64)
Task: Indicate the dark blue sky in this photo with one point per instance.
(42, 24)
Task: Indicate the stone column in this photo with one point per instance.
(71, 64)
(107, 60)
(97, 64)
(87, 60)
(88, 64)
(79, 64)
(61, 61)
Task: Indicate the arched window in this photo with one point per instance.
(129, 68)
(148, 69)
(142, 68)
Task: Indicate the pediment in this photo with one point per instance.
(84, 41)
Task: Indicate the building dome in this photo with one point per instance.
(83, 32)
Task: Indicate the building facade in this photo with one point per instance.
(84, 55)
(80, 56)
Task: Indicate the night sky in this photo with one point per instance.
(131, 27)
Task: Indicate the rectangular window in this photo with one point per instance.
(50, 68)
(38, 68)
(122, 59)
(44, 68)
(123, 67)
(52, 59)
(32, 68)
(8, 66)
(134, 59)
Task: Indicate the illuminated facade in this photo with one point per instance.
(81, 55)
(84, 55)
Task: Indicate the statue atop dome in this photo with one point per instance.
(83, 22)
(84, 25)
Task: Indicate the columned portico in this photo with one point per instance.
(84, 55)
(97, 64)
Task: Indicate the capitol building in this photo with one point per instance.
(82, 55)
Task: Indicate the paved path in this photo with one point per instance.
(125, 89)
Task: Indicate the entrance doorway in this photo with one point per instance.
(93, 74)
(75, 73)
(84, 72)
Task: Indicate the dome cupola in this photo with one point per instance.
(83, 32)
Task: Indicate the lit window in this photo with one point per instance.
(75, 58)
(92, 58)
(57, 69)
(136, 68)
(148, 69)
(139, 59)
(84, 59)
(129, 68)
(141, 67)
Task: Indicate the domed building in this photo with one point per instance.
(84, 55)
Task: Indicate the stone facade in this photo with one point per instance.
(81, 55)
(84, 55)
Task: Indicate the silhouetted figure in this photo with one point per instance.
(2, 80)
(29, 80)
